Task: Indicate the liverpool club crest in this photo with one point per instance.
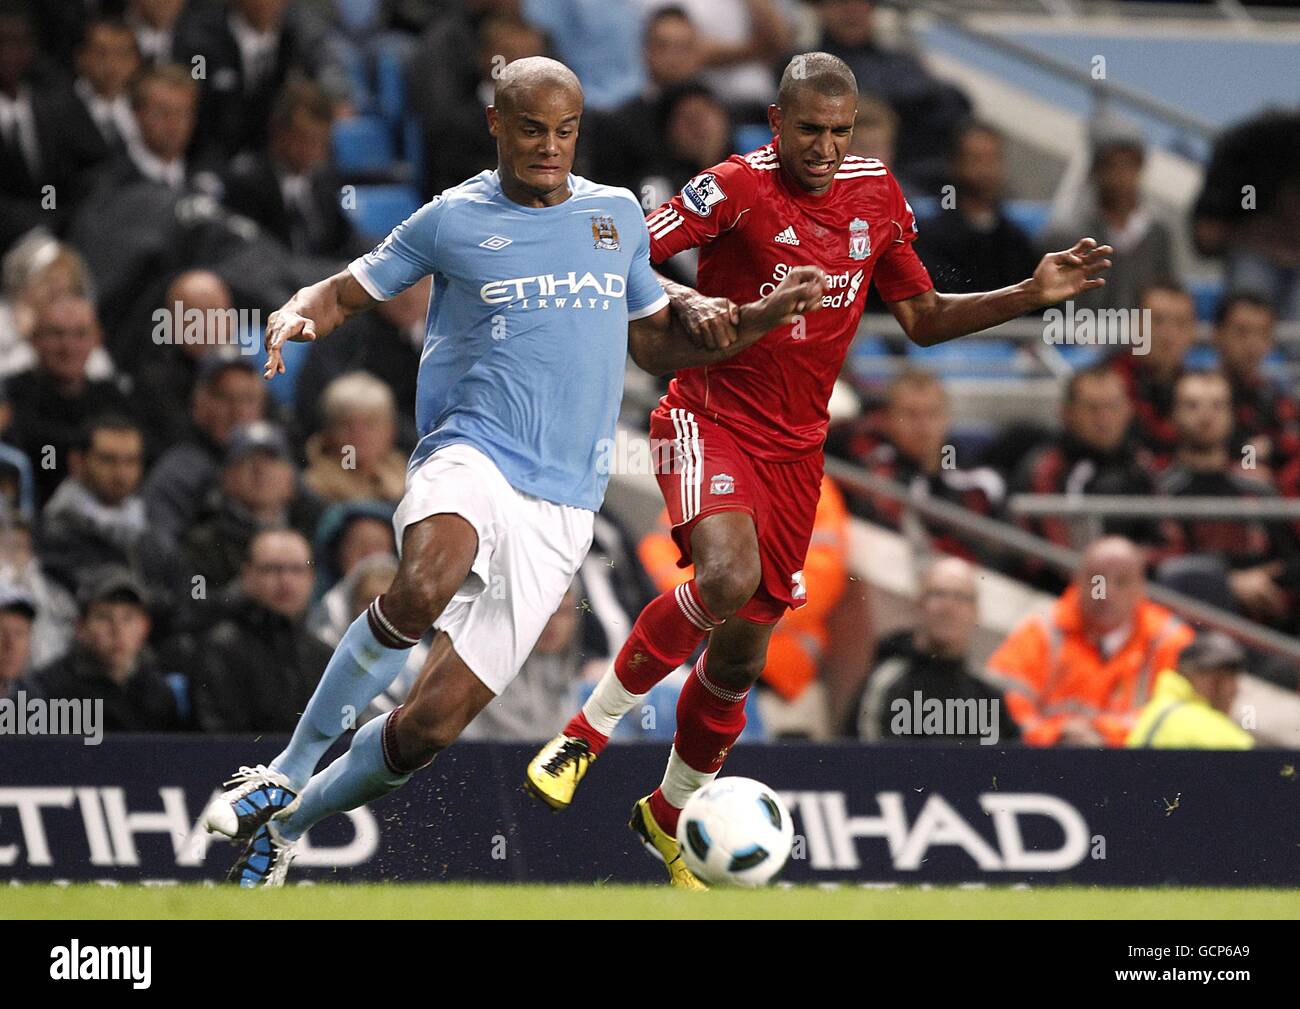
(859, 239)
(605, 233)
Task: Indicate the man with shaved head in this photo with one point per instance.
(1081, 674)
(749, 431)
(541, 286)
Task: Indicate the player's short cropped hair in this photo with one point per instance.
(301, 96)
(1234, 298)
(531, 72)
(821, 73)
(170, 75)
(355, 392)
(914, 380)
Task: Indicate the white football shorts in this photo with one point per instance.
(528, 553)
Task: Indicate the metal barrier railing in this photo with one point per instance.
(1017, 541)
(1104, 506)
(1102, 91)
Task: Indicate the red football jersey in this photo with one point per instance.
(752, 225)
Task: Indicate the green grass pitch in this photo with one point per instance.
(467, 900)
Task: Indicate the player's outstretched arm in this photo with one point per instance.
(661, 343)
(932, 318)
(312, 313)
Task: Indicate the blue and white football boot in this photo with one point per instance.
(265, 861)
(259, 793)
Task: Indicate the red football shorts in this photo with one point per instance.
(703, 470)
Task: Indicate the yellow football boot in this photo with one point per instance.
(553, 774)
(663, 846)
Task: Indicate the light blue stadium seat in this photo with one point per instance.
(390, 86)
(381, 208)
(751, 137)
(967, 359)
(1080, 357)
(924, 207)
(656, 718)
(1200, 357)
(1206, 292)
(357, 15)
(1030, 215)
(354, 64)
(362, 144)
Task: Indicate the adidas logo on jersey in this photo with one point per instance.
(787, 237)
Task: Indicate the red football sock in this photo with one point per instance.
(665, 634)
(664, 812)
(709, 719)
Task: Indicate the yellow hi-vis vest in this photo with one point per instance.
(1178, 718)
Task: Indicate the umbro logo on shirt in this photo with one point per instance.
(495, 242)
(787, 237)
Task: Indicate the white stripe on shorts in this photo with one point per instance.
(692, 462)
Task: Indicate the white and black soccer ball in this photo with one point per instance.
(735, 832)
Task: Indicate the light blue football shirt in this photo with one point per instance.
(526, 338)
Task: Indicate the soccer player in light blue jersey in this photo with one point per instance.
(541, 287)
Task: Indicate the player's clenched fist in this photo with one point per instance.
(709, 323)
(284, 325)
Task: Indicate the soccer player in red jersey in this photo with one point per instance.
(746, 434)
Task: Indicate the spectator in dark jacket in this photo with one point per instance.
(107, 60)
(167, 360)
(1267, 432)
(52, 401)
(155, 24)
(971, 244)
(1256, 562)
(929, 669)
(97, 516)
(109, 662)
(1115, 213)
(1094, 454)
(1150, 378)
(929, 110)
(1249, 208)
(250, 48)
(259, 489)
(916, 451)
(290, 188)
(17, 615)
(228, 393)
(43, 156)
(621, 143)
(259, 665)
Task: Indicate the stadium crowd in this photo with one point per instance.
(186, 541)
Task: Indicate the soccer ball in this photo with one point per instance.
(735, 832)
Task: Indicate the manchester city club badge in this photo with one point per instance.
(859, 239)
(605, 233)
